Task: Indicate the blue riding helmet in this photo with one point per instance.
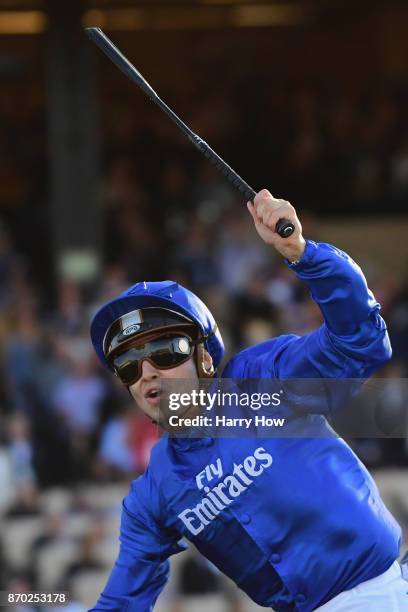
(164, 294)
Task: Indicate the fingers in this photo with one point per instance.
(264, 201)
(262, 195)
(252, 210)
(268, 210)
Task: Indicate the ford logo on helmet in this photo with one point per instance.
(130, 330)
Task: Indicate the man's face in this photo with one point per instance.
(146, 391)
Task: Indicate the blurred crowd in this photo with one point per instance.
(65, 422)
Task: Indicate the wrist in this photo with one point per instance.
(294, 253)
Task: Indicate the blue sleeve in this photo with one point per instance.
(351, 344)
(142, 567)
(353, 341)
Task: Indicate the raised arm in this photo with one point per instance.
(142, 567)
(353, 341)
(351, 344)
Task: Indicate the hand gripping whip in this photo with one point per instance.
(284, 227)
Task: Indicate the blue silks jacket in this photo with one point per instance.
(293, 522)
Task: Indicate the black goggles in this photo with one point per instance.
(163, 353)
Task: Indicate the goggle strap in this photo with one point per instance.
(204, 338)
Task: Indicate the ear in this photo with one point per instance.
(208, 366)
(204, 363)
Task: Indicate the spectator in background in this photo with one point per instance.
(6, 481)
(211, 195)
(112, 283)
(239, 256)
(87, 559)
(69, 317)
(22, 350)
(193, 255)
(116, 459)
(138, 242)
(252, 307)
(175, 199)
(20, 450)
(143, 436)
(50, 365)
(77, 400)
(50, 533)
(125, 444)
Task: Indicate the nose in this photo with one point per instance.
(149, 372)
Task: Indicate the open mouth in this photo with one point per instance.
(153, 395)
